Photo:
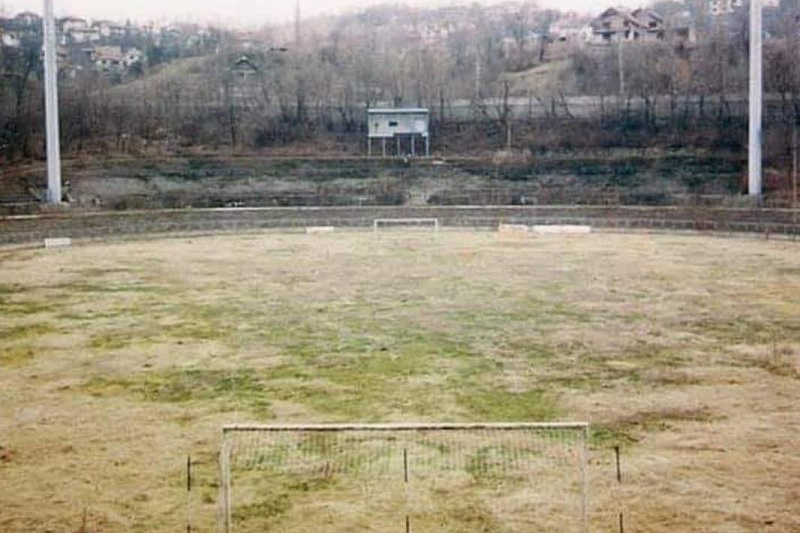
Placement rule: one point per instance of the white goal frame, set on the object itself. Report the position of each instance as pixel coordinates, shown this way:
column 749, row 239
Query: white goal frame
column 581, row 429
column 405, row 222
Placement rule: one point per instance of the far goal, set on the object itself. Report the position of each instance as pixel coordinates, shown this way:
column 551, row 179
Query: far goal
column 431, row 224
column 408, row 477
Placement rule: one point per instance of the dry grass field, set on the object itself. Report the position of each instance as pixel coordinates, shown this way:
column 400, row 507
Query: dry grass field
column 119, row 360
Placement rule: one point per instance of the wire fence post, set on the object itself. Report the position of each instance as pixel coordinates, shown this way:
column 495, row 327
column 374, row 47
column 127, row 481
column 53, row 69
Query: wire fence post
column 619, row 484
column 189, row 494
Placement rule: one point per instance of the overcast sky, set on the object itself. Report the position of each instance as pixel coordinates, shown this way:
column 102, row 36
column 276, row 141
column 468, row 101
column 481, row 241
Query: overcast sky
column 250, row 12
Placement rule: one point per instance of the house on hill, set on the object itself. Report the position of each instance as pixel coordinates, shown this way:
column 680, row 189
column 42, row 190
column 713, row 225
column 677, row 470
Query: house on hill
column 73, row 24
column 244, row 68
column 108, row 30
column 9, row 40
column 76, row 30
column 28, row 18
column 571, row 29
column 114, row 60
column 618, row 24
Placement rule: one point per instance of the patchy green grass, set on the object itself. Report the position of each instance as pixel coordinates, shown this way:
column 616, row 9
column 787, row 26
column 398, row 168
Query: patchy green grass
column 220, row 389
column 263, row 509
column 484, row 403
column 14, row 356
column 26, row 331
column 631, row 429
column 26, row 306
column 746, row 330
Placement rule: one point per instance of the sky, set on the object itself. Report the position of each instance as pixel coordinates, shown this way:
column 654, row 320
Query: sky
column 251, row 12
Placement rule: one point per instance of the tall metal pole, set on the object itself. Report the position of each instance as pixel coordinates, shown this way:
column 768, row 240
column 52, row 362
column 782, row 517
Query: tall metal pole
column 756, row 102
column 51, row 106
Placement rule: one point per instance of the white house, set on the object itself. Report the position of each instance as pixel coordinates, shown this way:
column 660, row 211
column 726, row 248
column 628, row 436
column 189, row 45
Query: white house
column 112, row 59
column 73, row 24
column 9, row 40
column 107, row 29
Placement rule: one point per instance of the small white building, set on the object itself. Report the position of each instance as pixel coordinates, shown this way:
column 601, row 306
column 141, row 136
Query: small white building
column 113, row 59
column 9, row 40
column 74, row 24
column 108, row 30
column 407, row 126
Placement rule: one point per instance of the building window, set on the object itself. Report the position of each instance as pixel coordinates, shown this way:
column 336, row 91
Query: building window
column 393, row 124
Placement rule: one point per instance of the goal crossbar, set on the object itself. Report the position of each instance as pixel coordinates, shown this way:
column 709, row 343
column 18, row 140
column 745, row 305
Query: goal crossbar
column 404, row 427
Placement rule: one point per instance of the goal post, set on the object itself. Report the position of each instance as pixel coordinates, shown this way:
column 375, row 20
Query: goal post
column 418, row 477
column 406, row 223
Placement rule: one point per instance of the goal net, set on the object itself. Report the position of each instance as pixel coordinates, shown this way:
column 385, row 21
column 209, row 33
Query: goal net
column 378, row 478
column 406, row 223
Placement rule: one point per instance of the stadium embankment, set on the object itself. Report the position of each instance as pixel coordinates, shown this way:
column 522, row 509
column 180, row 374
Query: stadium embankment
column 30, row 229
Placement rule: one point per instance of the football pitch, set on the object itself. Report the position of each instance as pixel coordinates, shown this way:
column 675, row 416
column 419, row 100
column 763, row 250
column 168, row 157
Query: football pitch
column 118, row 361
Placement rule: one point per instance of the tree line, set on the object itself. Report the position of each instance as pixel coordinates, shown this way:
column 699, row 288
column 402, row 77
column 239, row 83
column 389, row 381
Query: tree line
column 310, row 95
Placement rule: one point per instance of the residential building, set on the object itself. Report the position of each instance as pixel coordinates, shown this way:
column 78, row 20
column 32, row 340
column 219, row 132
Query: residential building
column 9, row 39
column 618, row 24
column 108, row 30
column 113, row 59
column 28, row 18
column 73, row 24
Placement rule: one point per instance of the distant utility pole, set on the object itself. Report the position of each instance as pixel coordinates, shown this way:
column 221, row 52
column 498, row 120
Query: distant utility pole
column 51, row 106
column 756, row 102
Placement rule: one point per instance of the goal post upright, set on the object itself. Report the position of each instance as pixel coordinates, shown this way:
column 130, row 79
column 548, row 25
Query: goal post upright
column 225, row 483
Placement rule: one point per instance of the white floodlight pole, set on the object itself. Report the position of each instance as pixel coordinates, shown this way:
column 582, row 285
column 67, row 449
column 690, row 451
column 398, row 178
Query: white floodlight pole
column 51, row 106
column 756, row 102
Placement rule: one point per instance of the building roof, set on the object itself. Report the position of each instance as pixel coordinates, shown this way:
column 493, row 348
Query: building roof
column 642, row 12
column 638, row 18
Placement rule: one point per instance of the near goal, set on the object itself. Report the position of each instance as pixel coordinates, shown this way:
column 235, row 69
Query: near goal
column 412, row 477
column 406, row 223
